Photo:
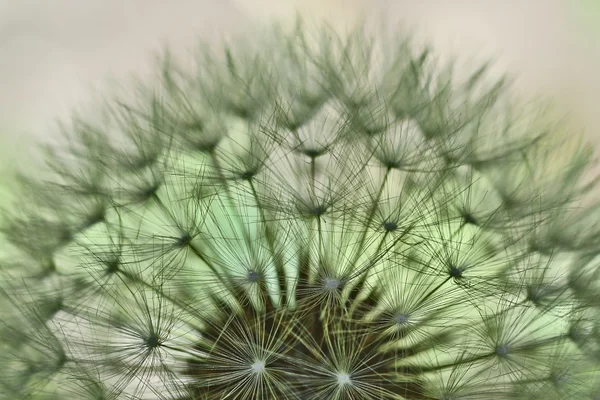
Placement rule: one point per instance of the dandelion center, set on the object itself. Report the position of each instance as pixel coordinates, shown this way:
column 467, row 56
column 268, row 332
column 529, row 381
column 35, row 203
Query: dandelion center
column 331, row 283
column 401, row 319
column 152, row 341
column 390, row 226
column 254, row 276
column 343, row 379
column 503, row 351
column 258, row 366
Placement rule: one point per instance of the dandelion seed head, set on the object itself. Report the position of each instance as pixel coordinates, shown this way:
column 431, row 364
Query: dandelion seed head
column 295, row 220
column 503, row 351
column 332, row 283
column 248, row 174
column 152, row 341
column 390, row 226
column 343, row 379
column 456, row 272
column 319, row 210
column 112, row 266
column 254, row 276
column 184, row 239
column 469, row 218
column 258, row 367
column 401, row 319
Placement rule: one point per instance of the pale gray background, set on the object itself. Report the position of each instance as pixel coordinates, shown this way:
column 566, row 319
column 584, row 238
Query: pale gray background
column 52, row 52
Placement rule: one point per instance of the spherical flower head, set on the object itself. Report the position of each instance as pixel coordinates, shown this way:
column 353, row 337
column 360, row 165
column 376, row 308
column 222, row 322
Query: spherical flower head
column 320, row 217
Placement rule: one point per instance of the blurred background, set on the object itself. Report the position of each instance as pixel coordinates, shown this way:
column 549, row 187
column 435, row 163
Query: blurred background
column 53, row 53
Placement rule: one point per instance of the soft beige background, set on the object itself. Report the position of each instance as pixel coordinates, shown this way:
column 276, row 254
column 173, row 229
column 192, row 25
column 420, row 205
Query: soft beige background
column 53, row 51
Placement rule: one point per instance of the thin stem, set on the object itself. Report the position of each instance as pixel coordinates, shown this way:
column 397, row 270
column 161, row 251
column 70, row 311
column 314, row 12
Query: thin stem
column 156, row 289
column 371, row 215
column 217, row 168
column 271, row 243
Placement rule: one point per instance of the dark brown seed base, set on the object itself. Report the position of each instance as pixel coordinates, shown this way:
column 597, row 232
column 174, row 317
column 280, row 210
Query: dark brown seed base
column 324, row 347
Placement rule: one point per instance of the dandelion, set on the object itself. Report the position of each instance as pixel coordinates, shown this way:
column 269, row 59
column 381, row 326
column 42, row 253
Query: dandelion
column 324, row 217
